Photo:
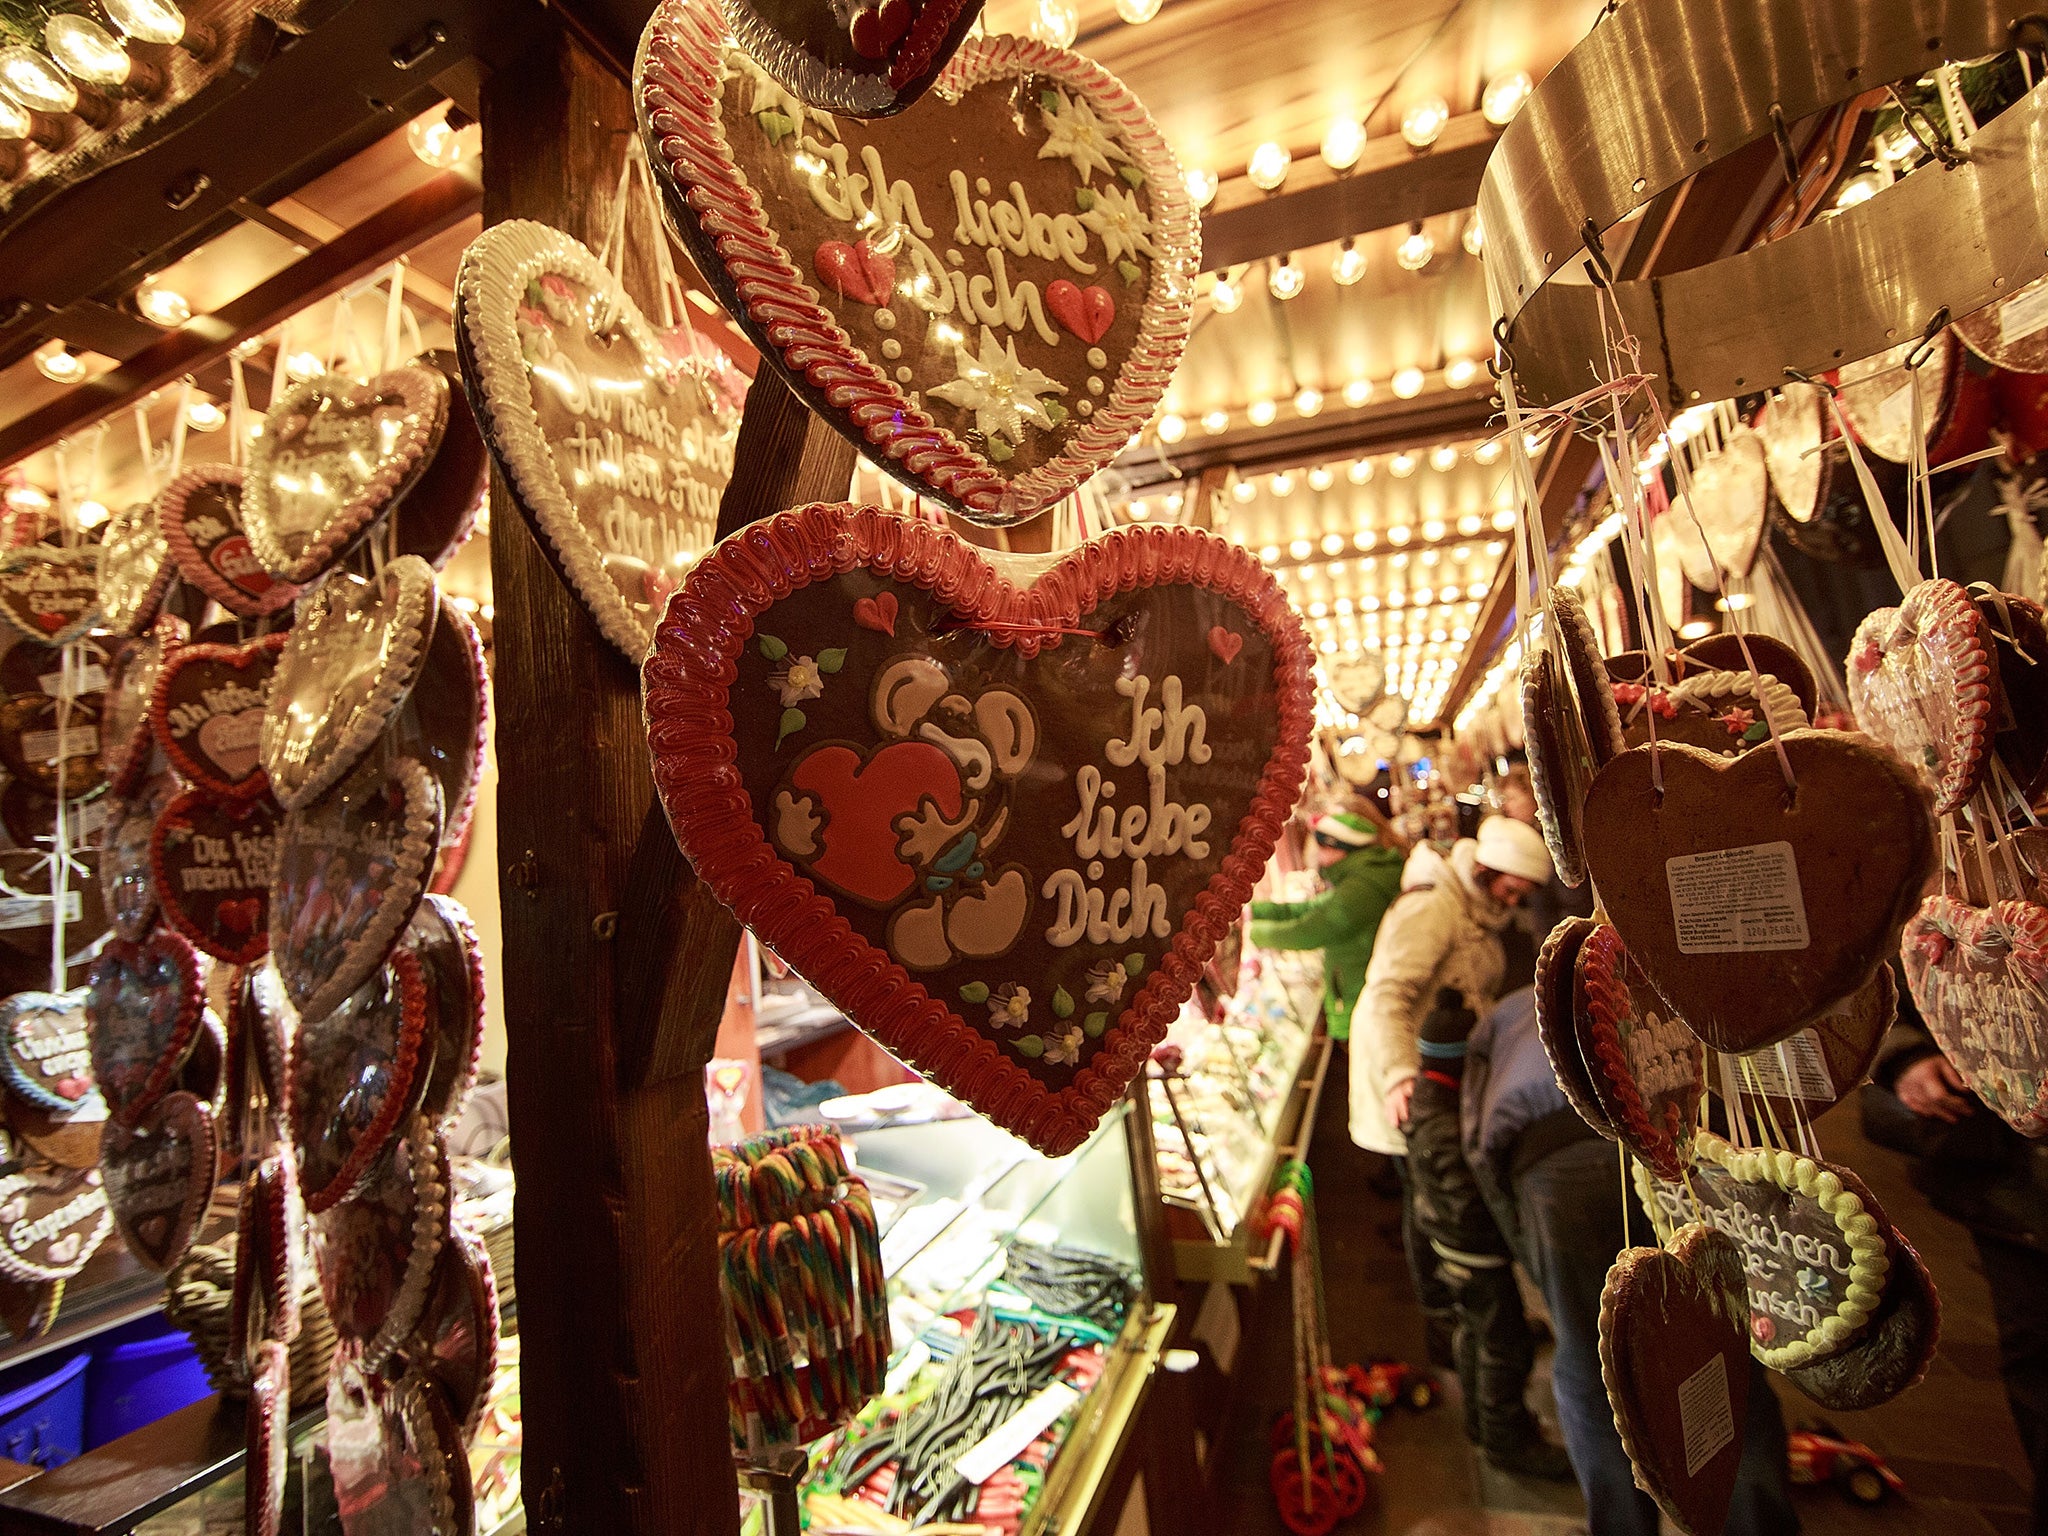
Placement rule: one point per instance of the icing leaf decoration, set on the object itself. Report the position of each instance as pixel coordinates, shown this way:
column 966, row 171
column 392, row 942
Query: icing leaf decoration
column 1131, row 174
column 1054, row 409
column 1134, row 964
column 1062, row 1003
column 773, row 648
column 1030, row 1045
column 776, row 125
column 974, row 992
column 999, row 449
column 1095, row 1023
column 792, row 720
column 1129, row 270
column 1050, row 100
column 1084, row 199
column 832, row 660
column 1757, row 732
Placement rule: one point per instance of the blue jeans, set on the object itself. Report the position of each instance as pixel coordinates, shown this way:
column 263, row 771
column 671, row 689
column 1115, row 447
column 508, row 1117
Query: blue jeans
column 1569, row 1207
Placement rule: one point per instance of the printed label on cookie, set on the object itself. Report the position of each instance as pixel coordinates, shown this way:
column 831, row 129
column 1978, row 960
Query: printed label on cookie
column 48, row 746
column 1705, row 1414
column 1795, row 1068
column 1737, row 900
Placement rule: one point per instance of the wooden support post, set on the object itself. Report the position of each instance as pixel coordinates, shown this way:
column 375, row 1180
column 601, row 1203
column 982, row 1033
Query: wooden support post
column 616, row 961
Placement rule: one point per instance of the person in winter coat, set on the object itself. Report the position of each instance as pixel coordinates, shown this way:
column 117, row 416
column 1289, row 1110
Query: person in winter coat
column 1364, row 873
column 1491, row 1340
column 1555, row 1189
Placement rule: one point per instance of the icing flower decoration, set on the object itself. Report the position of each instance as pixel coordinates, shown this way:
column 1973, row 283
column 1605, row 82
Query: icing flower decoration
column 1073, row 132
column 557, row 297
column 1122, row 224
column 1933, row 944
column 1002, row 392
column 1009, row 1006
column 1628, row 693
column 1064, row 1049
column 796, row 680
column 1661, row 705
column 1106, row 980
column 1737, row 719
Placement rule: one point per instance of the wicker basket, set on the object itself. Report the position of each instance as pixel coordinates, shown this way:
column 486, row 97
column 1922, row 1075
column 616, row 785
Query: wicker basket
column 198, row 1299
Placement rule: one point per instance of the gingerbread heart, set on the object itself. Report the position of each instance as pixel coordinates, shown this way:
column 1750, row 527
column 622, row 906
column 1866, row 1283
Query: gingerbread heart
column 332, row 457
column 1556, row 1019
column 442, row 723
column 439, row 513
column 43, row 1046
column 1579, row 646
column 618, row 461
column 1725, row 652
column 376, row 1251
column 1895, row 1352
column 212, row 862
column 159, row 1177
column 144, row 1003
column 207, row 713
column 127, row 875
column 1032, row 165
column 126, row 743
column 1005, row 838
column 351, row 868
column 268, row 1464
column 50, row 705
column 456, row 1342
column 445, row 941
column 52, row 1220
column 357, row 1077
column 135, row 568
column 2019, row 704
column 1725, row 713
column 51, row 595
column 868, row 59
column 1672, row 1358
column 1647, row 1069
column 2010, row 333
column 1815, row 1243
column 1976, row 974
column 1921, row 678
column 1560, row 761
column 1809, row 1072
column 1730, row 490
column 395, row 1453
column 26, row 928
column 1754, row 910
column 1876, row 396
column 201, row 515
column 259, row 1030
column 345, row 668
column 270, row 1255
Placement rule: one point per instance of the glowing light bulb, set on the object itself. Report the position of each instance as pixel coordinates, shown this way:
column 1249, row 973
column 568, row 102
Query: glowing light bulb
column 1358, row 474
column 28, row 498
column 1286, row 279
column 162, row 306
column 1416, row 250
column 1269, row 554
column 59, row 364
column 1423, row 123
column 1443, row 457
column 1504, row 95
column 1468, row 525
column 1138, row 12
column 1307, row 402
column 1320, row 479
column 1487, row 452
column 32, row 80
column 1401, row 466
column 15, row 123
column 204, row 415
column 1244, row 490
column 1301, row 549
column 1215, row 422
column 1344, row 143
column 1504, row 520
column 1056, row 22
column 1333, row 543
column 86, row 49
column 1348, row 265
column 1460, row 371
column 1261, row 413
column 1172, row 428
column 1860, row 188
column 443, row 138
column 147, row 21
column 1225, row 296
column 1282, row 484
column 1474, row 237
column 304, row 366
column 1357, row 392
column 89, row 514
column 1267, row 167
column 1201, row 185
column 1408, row 383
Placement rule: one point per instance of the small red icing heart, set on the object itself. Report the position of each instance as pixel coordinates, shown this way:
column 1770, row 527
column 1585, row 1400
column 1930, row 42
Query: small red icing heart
column 877, row 613
column 1087, row 312
column 1225, row 643
column 857, row 272
column 878, row 28
column 862, row 803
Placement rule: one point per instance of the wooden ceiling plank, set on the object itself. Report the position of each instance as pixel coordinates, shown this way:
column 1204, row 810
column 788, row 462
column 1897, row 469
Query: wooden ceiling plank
column 1423, row 422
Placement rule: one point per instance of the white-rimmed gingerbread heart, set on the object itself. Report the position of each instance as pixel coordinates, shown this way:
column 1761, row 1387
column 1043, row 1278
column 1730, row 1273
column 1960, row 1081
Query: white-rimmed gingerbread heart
column 352, row 865
column 1647, row 1069
column 1921, row 680
column 988, row 296
column 866, row 58
column 270, row 1253
column 159, row 1176
column 443, row 721
column 44, row 1050
column 443, row 937
column 376, row 1250
column 1730, row 493
column 51, row 595
column 135, row 568
column 52, row 1220
column 618, row 461
column 333, row 455
column 345, row 668
column 200, row 513
column 207, row 713
column 357, row 1077
column 456, row 1342
column 125, row 741
column 144, row 1005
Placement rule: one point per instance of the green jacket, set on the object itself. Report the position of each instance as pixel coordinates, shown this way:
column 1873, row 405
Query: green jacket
column 1342, row 923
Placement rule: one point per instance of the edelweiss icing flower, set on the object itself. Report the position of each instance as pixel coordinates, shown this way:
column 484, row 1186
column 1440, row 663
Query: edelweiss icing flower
column 1002, row 392
column 1074, row 132
column 1106, row 980
column 1123, row 226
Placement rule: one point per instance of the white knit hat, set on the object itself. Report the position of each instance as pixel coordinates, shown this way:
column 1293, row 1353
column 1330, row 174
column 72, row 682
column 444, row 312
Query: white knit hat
column 1512, row 847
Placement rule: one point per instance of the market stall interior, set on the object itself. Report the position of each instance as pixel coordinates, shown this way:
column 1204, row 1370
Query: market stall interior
column 1022, row 766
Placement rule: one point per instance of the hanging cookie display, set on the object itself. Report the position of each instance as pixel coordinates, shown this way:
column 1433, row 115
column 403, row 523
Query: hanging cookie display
column 1979, row 976
column 200, row 513
column 456, row 1343
column 1000, row 816
column 207, row 713
column 866, row 58
column 44, row 1049
column 1556, row 1019
column 396, row 1454
column 127, row 872
column 51, row 701
column 210, row 864
column 988, row 296
column 1921, row 678
column 1895, row 1350
column 134, row 569
column 51, row 595
column 159, row 1175
column 442, row 721
column 357, row 1077
column 1807, row 1073
column 1721, row 523
column 144, row 1004
column 1647, row 1070
column 1725, row 713
column 2019, row 698
column 440, row 511
column 52, row 1220
column 376, row 1251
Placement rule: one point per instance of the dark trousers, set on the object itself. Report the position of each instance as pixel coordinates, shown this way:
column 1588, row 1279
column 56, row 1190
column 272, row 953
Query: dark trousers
column 2018, row 1277
column 1430, row 1290
column 1568, row 1206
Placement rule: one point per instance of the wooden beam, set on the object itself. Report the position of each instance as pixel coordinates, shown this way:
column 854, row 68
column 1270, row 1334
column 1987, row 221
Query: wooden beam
column 1391, row 184
column 616, row 960
column 1341, row 433
column 437, row 205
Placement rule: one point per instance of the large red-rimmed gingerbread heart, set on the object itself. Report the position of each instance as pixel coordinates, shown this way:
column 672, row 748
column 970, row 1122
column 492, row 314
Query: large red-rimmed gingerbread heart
column 207, row 713
column 1647, row 1069
column 1003, row 829
column 212, row 861
column 1921, row 678
column 869, row 58
column 920, row 320
column 1979, row 976
column 200, row 513
column 144, row 1004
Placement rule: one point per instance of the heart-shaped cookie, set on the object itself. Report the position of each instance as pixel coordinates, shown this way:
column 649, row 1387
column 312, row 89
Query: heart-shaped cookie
column 376, row 1250
column 1725, row 713
column 69, row 1138
column 200, row 513
column 51, row 595
column 50, row 704
column 126, row 743
column 1730, row 492
column 870, row 58
column 259, row 1024
column 144, row 1003
column 1556, row 1019
column 1560, row 761
column 442, row 723
column 1673, row 1359
column 127, row 875
column 159, row 1176
column 1815, row 1243
column 445, row 941
column 1753, row 910
column 1807, row 1073
column 268, row 1413
column 357, row 1076
column 135, row 568
column 270, row 1254
column 395, row 1453
column 456, row 1342
column 618, row 461
column 1647, row 1069
column 1876, row 396
column 346, row 666
column 1005, row 838
column 1029, row 166
column 352, row 865
column 43, row 1047
column 440, row 511
column 52, row 1220
column 1921, row 678
column 1580, row 648
column 1977, row 974
column 208, row 710
column 333, row 455
column 204, row 1074
column 2019, row 704
column 212, row 862
column 1895, row 1352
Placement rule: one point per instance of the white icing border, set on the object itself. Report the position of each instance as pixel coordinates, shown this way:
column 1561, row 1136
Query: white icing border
column 1779, row 703
column 146, row 597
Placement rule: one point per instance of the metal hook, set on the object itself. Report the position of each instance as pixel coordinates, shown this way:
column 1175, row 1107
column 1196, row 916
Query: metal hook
column 1931, row 141
column 1597, row 266
column 1800, row 375
column 1924, row 349
column 1503, row 359
column 1786, row 155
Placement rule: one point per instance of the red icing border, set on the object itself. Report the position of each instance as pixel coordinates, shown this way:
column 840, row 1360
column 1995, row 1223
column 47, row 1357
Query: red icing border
column 192, row 566
column 1939, row 615
column 1605, row 999
column 1943, row 922
column 190, row 768
column 675, row 83
column 191, row 1012
column 412, row 992
column 172, row 911
column 686, row 684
